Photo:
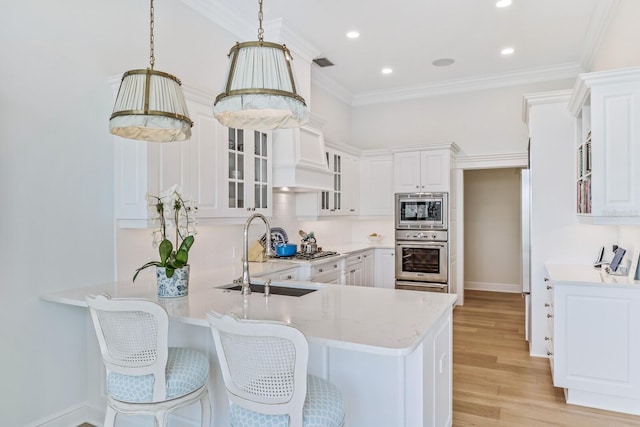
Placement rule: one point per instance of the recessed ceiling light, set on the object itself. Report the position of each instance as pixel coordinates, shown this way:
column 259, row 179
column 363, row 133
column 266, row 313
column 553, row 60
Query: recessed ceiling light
column 353, row 34
column 387, row 71
column 507, row 51
column 503, row 3
column 443, row 62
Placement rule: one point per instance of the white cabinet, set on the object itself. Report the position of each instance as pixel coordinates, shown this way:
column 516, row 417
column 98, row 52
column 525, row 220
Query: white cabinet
column 376, row 185
column 145, row 167
column 594, row 342
column 385, row 268
column 283, row 275
column 343, row 199
column 607, row 109
column 360, row 268
column 226, row 171
column 327, row 272
column 247, row 168
column 426, row 170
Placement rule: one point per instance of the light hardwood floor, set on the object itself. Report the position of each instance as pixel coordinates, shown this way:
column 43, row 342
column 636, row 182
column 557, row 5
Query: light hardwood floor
column 497, row 383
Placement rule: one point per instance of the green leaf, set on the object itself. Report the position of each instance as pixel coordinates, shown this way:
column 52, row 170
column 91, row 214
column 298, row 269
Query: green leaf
column 169, row 271
column 147, row 265
column 187, row 243
column 182, row 256
column 165, row 251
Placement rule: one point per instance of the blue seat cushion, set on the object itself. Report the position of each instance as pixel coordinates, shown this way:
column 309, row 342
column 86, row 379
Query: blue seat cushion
column 323, row 407
column 187, row 370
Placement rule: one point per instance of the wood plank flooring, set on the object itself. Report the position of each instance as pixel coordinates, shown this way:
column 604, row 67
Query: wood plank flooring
column 497, row 383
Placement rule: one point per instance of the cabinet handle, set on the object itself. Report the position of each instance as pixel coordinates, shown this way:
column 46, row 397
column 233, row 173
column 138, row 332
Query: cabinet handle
column 417, row 186
column 546, row 304
column 549, row 287
column 358, row 257
column 352, row 271
column 352, row 210
column 546, row 279
column 549, row 316
column 547, row 338
column 549, row 353
column 289, row 276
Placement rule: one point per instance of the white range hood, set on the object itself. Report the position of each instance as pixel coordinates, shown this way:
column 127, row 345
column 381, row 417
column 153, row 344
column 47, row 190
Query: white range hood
column 299, row 159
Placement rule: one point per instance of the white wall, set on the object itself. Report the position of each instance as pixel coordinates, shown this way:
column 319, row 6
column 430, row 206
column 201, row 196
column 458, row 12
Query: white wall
column 492, row 243
column 619, row 46
column 480, row 122
column 336, row 112
column 56, row 174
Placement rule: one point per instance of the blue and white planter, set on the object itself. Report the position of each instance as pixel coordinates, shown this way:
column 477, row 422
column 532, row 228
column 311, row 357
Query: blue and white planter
column 174, row 286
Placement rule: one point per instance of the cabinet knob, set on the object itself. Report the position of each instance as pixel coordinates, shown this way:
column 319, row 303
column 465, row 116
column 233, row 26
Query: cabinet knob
column 549, row 316
column 417, row 186
column 547, row 338
column 546, row 304
column 546, row 279
column 335, row 265
column 289, row 276
column 319, row 270
column 549, row 353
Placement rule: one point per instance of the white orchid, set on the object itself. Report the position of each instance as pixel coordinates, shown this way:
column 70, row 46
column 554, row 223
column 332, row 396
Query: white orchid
column 181, row 217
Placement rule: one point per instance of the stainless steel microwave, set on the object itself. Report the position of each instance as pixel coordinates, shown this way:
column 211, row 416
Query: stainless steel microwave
column 415, row 211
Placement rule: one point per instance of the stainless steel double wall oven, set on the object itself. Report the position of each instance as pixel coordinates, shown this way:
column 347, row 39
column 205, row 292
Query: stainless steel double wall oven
column 422, row 247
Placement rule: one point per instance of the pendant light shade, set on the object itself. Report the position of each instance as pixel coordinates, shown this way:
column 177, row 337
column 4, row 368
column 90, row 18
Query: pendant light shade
column 260, row 91
column 150, row 105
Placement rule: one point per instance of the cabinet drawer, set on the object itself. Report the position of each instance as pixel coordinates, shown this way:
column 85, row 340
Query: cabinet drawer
column 288, row 275
column 354, row 259
column 325, row 268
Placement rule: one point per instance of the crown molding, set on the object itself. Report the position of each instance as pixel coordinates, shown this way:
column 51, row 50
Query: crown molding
column 318, row 78
column 531, row 99
column 598, row 26
column 493, row 161
column 276, row 29
column 490, row 81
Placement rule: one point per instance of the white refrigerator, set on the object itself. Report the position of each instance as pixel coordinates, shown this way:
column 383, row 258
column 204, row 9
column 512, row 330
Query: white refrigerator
column 525, row 221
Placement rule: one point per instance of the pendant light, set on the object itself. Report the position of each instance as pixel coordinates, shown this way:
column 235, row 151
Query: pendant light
column 260, row 92
column 150, row 105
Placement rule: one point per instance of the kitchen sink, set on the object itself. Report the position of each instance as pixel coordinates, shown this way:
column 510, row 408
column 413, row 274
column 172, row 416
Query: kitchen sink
column 275, row 290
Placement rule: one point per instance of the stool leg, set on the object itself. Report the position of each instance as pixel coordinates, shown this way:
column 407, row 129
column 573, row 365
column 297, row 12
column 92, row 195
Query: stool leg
column 110, row 417
column 161, row 418
column 205, row 408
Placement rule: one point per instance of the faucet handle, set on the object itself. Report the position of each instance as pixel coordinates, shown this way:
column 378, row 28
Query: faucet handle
column 267, row 288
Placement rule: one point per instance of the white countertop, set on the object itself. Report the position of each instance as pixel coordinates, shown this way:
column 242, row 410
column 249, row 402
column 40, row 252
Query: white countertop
column 586, row 274
column 379, row 321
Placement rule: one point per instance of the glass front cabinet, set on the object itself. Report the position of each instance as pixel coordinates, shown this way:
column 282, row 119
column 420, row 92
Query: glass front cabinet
column 248, row 172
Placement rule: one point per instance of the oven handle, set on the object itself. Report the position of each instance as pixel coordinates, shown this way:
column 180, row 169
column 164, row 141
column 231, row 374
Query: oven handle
column 423, row 284
column 414, row 244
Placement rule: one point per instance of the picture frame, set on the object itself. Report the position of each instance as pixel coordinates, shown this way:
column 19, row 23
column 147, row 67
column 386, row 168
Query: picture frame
column 617, row 259
column 633, row 268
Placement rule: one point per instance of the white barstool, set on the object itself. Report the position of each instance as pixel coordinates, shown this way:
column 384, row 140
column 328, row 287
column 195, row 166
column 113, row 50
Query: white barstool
column 264, row 367
column 144, row 375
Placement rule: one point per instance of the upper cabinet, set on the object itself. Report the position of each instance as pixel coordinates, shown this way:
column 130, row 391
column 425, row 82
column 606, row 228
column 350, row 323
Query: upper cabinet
column 376, row 185
column 343, row 198
column 248, row 173
column 226, row 171
column 607, row 110
column 427, row 169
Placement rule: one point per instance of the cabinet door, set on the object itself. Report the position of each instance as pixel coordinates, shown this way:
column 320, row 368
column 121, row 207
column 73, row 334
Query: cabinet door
column 248, row 173
column 368, row 268
column 331, row 201
column 376, row 186
column 406, row 177
column 434, row 170
column 142, row 167
column 351, row 182
column 385, row 276
column 354, row 270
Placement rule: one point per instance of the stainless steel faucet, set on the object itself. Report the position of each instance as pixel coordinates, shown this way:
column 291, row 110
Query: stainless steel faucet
column 246, row 280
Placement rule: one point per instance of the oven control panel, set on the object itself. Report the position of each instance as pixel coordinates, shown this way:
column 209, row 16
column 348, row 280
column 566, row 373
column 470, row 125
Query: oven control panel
column 422, row 235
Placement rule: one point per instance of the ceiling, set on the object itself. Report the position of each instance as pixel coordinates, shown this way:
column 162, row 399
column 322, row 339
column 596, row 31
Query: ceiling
column 552, row 39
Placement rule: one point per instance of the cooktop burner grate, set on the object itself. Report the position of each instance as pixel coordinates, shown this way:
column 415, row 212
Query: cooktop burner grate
column 309, row 256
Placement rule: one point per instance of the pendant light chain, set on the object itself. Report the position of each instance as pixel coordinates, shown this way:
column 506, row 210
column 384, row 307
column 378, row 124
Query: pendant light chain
column 260, row 30
column 152, row 58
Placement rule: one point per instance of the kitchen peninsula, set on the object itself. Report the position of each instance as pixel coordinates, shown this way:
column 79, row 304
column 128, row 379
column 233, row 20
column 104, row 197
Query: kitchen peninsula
column 388, row 351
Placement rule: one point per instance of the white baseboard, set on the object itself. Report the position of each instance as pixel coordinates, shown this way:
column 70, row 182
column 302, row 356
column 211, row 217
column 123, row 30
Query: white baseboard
column 493, row 287
column 71, row 416
column 84, row 413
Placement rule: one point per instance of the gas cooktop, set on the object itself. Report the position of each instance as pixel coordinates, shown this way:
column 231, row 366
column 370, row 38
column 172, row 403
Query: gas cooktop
column 309, row 256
